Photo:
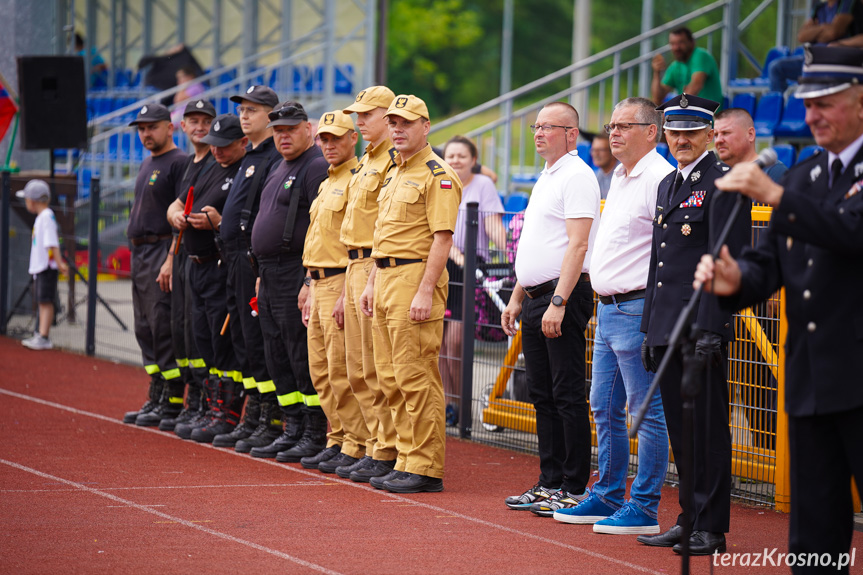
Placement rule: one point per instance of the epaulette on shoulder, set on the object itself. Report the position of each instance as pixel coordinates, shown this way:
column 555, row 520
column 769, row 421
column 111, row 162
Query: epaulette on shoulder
column 436, row 168
column 722, row 166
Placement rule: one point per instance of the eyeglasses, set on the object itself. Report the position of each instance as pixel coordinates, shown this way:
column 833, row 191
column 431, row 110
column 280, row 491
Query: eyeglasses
column 546, row 128
column 246, row 110
column 623, row 126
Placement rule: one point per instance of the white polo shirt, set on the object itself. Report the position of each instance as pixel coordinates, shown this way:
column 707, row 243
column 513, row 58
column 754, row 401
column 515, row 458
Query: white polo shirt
column 566, row 190
column 621, row 254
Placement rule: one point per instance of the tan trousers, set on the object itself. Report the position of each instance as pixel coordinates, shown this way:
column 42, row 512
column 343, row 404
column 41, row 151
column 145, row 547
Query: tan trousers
column 329, row 372
column 362, row 375
column 406, row 358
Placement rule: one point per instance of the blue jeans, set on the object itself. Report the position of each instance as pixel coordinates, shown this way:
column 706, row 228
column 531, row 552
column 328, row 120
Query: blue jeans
column 783, row 71
column 619, row 378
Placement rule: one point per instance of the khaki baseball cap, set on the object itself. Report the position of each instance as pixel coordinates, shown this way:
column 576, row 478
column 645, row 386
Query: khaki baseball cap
column 408, row 107
column 371, row 98
column 336, row 122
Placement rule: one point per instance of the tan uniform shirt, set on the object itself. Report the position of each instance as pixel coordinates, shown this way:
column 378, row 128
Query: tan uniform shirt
column 358, row 227
column 419, row 197
column 323, row 248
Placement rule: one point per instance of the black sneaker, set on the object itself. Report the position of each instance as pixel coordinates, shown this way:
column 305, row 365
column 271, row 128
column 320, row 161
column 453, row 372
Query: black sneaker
column 337, row 461
column 344, row 471
column 323, row 455
column 378, row 482
column 379, row 469
column 533, row 495
column 413, row 483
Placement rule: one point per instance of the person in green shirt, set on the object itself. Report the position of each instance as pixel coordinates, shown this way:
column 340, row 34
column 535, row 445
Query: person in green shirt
column 694, row 71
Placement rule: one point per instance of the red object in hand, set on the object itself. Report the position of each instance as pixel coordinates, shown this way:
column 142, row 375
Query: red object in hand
column 187, row 209
column 253, row 303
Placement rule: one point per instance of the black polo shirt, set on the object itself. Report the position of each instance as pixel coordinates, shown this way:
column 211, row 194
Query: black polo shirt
column 260, row 159
column 211, row 189
column 281, row 183
column 155, row 190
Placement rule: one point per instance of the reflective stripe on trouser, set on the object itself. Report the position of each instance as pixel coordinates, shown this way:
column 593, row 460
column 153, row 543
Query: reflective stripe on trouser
column 362, row 376
column 406, row 357
column 181, row 310
column 285, row 344
column 152, row 307
column 246, row 336
column 209, row 309
column 329, row 372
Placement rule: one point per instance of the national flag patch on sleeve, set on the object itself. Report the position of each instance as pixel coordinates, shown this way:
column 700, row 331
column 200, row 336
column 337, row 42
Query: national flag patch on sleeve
column 446, row 184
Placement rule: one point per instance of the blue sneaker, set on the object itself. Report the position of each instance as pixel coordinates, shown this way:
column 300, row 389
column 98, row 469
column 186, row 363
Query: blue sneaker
column 588, row 512
column 628, row 520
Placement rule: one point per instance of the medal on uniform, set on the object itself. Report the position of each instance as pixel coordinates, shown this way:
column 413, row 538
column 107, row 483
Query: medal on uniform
column 858, row 169
column 695, row 175
column 686, row 229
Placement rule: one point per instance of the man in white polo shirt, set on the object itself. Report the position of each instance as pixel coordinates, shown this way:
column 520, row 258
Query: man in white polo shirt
column 552, row 266
column 618, row 273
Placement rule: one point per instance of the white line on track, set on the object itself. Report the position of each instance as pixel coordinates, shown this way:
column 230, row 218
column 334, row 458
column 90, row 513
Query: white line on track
column 316, row 475
column 143, row 487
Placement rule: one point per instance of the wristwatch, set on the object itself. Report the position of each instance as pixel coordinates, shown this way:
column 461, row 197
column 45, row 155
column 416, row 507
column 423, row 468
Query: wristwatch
column 558, row 301
column 307, row 280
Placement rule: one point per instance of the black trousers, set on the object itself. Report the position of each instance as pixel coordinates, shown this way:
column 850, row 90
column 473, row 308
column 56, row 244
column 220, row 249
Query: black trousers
column 183, row 342
column 152, row 309
column 246, row 334
column 285, row 345
column 555, row 370
column 826, row 450
column 711, row 504
column 207, row 282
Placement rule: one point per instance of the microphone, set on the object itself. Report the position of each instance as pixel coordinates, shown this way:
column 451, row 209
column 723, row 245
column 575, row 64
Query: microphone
column 766, row 158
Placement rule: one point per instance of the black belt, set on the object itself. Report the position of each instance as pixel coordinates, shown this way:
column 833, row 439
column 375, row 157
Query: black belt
column 540, row 290
column 142, row 240
column 279, row 258
column 203, row 259
column 391, row 262
column 622, row 297
column 359, row 254
column 321, row 273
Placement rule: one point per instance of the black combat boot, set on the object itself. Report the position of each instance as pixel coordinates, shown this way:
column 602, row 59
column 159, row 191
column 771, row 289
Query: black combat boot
column 314, row 439
column 207, row 412
column 153, row 395
column 195, row 407
column 170, row 404
column 251, row 421
column 269, row 428
column 289, row 437
column 230, row 398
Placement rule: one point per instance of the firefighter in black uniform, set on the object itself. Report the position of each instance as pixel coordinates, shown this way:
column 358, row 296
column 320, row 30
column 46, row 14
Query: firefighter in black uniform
column 197, row 118
column 150, row 236
column 689, row 215
column 238, row 216
column 277, row 242
column 207, row 281
column 814, row 248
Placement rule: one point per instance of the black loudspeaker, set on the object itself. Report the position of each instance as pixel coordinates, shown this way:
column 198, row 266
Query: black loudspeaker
column 53, row 101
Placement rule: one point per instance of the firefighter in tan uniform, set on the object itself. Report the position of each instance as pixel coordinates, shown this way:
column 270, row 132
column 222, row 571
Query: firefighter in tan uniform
column 407, row 290
column 325, row 259
column 357, row 235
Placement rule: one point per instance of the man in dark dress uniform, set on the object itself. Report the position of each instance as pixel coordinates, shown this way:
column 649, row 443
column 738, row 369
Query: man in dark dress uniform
column 689, row 215
column 150, row 236
column 277, row 242
column 814, row 248
column 207, row 280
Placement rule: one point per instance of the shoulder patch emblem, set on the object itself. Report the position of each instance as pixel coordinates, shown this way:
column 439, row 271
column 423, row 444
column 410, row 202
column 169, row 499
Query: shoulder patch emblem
column 436, row 169
column 446, row 184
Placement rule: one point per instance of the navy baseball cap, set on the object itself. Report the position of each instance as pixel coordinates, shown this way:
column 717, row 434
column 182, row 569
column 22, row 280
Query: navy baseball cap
column 151, row 113
column 224, row 130
column 200, row 107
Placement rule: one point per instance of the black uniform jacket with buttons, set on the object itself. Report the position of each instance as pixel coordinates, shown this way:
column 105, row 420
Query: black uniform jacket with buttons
column 814, row 247
column 685, row 228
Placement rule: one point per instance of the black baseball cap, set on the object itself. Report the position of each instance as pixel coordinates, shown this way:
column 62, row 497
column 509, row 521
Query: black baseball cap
column 200, row 107
column 258, row 94
column 288, row 114
column 151, row 113
column 224, row 130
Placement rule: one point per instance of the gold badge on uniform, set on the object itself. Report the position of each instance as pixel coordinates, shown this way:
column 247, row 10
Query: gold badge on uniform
column 250, row 171
column 401, row 102
column 686, row 229
column 659, row 220
column 329, row 119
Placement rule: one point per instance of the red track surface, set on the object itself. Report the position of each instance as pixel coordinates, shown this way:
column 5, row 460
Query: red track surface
column 83, row 493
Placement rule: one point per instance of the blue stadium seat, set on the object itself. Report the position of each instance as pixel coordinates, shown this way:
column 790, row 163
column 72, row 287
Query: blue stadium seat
column 516, row 202
column 785, row 153
column 302, row 79
column 773, row 54
column 584, row 153
column 662, row 149
column 344, row 79
column 793, row 124
column 746, row 101
column 808, row 151
column 768, row 113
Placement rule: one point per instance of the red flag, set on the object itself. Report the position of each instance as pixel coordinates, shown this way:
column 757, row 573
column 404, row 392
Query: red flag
column 7, row 111
column 190, row 199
